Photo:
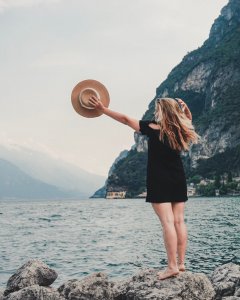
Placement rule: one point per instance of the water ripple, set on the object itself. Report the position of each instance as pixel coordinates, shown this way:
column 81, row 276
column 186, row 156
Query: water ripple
column 118, row 237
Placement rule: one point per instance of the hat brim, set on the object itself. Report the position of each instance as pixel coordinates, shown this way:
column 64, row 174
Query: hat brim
column 91, row 84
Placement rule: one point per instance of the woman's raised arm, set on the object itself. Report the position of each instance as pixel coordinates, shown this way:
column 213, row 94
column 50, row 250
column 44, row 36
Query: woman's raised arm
column 122, row 118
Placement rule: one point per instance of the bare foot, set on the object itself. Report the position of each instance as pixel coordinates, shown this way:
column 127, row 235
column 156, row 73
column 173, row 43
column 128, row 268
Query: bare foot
column 168, row 273
column 181, row 267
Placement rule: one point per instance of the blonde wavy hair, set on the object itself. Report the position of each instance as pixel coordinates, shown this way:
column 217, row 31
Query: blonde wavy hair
column 175, row 124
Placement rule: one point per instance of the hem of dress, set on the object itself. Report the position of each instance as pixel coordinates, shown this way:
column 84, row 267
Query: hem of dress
column 163, row 201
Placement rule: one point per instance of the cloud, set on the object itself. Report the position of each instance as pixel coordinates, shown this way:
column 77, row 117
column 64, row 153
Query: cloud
column 7, row 4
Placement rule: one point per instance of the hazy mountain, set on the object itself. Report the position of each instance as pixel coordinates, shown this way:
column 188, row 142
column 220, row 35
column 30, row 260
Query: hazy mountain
column 14, row 183
column 54, row 171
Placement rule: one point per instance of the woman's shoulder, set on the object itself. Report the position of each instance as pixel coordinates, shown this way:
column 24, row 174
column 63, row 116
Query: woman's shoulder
column 153, row 124
column 145, row 128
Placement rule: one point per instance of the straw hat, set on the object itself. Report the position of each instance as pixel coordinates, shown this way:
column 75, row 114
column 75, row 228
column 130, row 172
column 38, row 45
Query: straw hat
column 81, row 94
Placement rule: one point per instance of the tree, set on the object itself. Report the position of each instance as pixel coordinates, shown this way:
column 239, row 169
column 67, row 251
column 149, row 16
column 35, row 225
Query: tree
column 229, row 177
column 195, row 179
column 206, row 190
column 223, row 189
column 217, row 182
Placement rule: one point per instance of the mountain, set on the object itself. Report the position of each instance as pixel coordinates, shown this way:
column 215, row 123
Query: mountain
column 54, row 171
column 101, row 193
column 208, row 80
column 15, row 184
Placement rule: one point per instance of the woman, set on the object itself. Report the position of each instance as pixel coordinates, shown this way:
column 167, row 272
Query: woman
column 168, row 134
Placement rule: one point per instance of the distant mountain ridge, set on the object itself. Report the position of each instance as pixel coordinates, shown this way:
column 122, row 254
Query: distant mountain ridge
column 15, row 184
column 208, row 80
column 72, row 180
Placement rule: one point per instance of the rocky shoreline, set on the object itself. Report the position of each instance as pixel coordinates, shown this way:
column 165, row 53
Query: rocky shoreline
column 32, row 282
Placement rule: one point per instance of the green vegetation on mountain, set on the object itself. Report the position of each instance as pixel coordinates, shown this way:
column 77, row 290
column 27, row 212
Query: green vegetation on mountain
column 219, row 183
column 228, row 161
column 131, row 173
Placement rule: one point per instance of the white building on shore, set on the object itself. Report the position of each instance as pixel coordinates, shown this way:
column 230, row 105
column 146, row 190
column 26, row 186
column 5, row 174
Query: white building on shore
column 116, row 193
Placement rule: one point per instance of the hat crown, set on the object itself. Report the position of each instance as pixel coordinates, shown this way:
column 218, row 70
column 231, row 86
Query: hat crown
column 85, row 95
column 82, row 93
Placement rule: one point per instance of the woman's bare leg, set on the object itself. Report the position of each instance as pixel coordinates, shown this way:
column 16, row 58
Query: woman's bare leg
column 166, row 216
column 181, row 229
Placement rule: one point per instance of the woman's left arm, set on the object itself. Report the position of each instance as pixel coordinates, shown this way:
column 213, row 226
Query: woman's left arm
column 122, row 118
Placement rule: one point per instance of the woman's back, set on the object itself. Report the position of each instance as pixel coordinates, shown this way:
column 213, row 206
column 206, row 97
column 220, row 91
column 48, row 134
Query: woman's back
column 166, row 180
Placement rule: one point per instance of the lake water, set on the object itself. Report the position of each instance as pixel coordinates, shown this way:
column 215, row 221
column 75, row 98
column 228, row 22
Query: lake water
column 119, row 237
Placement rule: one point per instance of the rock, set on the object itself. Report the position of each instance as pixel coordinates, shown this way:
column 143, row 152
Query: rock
column 95, row 286
column 1, row 294
column 141, row 142
column 120, row 288
column 32, row 272
column 226, row 280
column 35, row 292
column 31, row 281
column 198, row 78
column 231, row 298
column 146, row 285
column 237, row 292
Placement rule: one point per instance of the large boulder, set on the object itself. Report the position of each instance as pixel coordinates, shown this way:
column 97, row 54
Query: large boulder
column 146, row 285
column 95, row 286
column 237, row 292
column 32, row 280
column 1, row 294
column 226, row 281
column 35, row 292
column 32, row 272
column 231, row 298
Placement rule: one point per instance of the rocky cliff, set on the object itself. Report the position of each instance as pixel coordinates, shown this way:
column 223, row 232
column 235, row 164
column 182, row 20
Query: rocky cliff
column 101, row 193
column 208, row 80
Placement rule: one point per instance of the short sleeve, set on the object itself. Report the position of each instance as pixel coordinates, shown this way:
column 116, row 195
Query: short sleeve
column 144, row 128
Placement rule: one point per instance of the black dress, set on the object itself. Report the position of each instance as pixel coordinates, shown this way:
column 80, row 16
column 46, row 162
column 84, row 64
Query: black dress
column 166, row 181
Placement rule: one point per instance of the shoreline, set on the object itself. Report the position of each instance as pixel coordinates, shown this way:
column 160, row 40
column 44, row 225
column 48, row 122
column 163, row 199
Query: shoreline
column 34, row 278
column 96, row 198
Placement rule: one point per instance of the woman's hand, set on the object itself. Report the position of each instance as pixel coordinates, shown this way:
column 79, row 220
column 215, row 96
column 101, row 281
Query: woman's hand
column 182, row 103
column 185, row 108
column 96, row 103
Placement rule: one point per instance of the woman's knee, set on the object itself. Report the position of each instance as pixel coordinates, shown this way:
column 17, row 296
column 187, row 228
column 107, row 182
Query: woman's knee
column 178, row 211
column 167, row 221
column 164, row 213
column 178, row 221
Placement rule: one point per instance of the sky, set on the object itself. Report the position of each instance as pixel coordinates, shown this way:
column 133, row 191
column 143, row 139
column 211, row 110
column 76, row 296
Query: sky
column 48, row 46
